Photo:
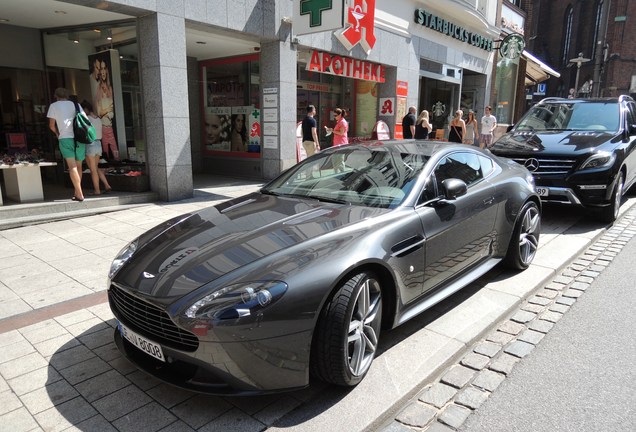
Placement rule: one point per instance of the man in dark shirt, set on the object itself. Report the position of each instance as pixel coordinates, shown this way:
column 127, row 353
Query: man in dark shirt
column 408, row 123
column 310, row 134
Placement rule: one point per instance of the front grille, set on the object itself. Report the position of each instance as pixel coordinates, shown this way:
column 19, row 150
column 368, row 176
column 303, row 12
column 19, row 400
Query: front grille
column 150, row 321
column 553, row 165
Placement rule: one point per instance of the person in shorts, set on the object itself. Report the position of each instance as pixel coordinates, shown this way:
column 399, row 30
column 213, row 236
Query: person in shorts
column 94, row 151
column 488, row 125
column 310, row 132
column 61, row 115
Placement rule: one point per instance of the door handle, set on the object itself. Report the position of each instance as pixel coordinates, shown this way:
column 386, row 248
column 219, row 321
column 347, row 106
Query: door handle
column 489, row 201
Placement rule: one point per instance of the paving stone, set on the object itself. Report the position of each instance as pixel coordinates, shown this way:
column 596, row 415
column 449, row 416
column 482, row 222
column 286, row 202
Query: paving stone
column 590, row 273
column 572, row 293
column 48, row 396
column 580, row 286
column 489, row 349
column 395, row 426
column 74, row 317
column 150, row 417
column 471, row 397
column 437, row 394
column 102, row 385
column 65, row 415
column 272, row 412
column 9, row 402
column 458, row 376
column 504, row 363
column 169, row 396
column 34, row 380
column 15, row 350
column 10, row 338
column 584, row 279
column 122, row 365
column 87, row 327
column 533, row 308
column 42, row 331
column 98, row 338
column 531, row 336
column 566, row 301
column 121, row 402
column 22, row 365
column 454, row 416
column 523, row 317
column 500, row 337
column 512, row 328
column 519, row 349
column 553, row 286
column 416, row 414
column 488, row 380
column 70, row 357
column 602, row 264
column 56, row 345
column 18, row 421
column 551, row 316
column 539, row 300
column 96, row 423
column 85, row 370
column 548, row 293
column 200, row 410
column 475, row 361
column 560, row 307
column 233, row 421
column 570, row 273
column 143, row 380
column 541, row 325
column 439, row 427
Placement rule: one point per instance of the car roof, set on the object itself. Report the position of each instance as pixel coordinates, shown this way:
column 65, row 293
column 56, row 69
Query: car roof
column 421, row 147
column 614, row 99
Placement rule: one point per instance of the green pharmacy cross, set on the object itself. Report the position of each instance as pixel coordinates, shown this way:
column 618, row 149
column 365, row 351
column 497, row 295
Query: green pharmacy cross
column 314, row 8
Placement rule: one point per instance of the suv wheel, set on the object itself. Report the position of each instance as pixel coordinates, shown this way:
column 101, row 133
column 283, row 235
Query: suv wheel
column 610, row 213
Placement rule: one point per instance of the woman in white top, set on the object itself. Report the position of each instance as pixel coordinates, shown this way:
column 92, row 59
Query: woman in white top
column 94, row 151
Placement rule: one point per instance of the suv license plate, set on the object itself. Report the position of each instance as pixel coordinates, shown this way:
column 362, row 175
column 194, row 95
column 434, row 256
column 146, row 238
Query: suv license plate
column 141, row 342
column 543, row 191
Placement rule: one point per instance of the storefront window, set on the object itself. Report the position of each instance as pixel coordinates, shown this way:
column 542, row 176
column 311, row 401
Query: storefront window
column 231, row 107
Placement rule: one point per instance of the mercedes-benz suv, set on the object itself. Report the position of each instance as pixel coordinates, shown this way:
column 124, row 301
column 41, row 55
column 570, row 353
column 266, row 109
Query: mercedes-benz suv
column 580, row 151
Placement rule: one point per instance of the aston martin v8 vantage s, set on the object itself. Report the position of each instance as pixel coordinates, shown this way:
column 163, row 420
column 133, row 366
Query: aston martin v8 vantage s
column 255, row 294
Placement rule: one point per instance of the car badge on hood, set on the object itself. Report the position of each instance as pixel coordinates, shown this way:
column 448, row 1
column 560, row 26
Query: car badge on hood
column 147, row 275
column 532, row 164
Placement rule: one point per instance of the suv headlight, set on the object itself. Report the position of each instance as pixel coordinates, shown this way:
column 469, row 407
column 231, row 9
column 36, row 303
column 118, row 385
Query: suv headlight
column 237, row 300
column 121, row 258
column 601, row 159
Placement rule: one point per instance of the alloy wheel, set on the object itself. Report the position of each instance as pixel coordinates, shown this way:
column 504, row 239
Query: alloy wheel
column 529, row 235
column 362, row 340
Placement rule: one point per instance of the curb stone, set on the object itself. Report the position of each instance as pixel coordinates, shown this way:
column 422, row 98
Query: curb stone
column 518, row 335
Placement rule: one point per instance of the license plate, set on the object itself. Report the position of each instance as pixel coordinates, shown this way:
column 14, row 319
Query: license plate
column 141, row 342
column 543, row 191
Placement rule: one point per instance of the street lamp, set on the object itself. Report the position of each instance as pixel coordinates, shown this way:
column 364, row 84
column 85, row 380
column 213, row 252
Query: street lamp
column 578, row 62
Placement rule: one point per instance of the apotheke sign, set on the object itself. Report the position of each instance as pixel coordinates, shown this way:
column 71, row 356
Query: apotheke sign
column 345, row 66
column 453, row 30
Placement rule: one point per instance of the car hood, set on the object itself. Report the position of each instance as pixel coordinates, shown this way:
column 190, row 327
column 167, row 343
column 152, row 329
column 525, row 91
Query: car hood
column 178, row 257
column 560, row 143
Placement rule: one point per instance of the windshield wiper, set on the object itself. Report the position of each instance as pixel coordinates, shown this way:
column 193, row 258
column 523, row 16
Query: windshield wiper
column 330, row 200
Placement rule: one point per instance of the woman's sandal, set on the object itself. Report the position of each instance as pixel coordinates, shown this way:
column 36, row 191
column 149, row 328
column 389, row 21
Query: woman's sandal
column 77, row 199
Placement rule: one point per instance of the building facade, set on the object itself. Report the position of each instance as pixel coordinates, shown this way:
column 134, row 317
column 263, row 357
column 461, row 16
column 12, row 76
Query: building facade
column 219, row 87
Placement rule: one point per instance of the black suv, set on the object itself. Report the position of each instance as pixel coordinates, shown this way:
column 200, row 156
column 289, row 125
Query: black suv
column 580, row 151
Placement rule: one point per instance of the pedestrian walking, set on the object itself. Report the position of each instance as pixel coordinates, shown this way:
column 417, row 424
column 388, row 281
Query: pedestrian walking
column 94, row 151
column 408, row 123
column 61, row 115
column 488, row 125
column 309, row 126
column 339, row 137
column 422, row 126
column 472, row 129
column 457, row 128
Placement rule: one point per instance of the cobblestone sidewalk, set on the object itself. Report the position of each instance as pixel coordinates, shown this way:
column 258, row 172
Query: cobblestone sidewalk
column 444, row 405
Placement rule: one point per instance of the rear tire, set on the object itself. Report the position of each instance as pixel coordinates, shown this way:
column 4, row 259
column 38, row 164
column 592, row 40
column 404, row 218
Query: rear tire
column 610, row 213
column 348, row 331
column 525, row 237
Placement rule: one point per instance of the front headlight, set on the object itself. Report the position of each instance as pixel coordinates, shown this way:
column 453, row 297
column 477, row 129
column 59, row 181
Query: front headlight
column 121, row 258
column 599, row 160
column 237, row 301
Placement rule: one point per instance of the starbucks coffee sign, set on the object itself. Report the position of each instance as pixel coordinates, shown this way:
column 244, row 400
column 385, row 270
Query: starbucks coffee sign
column 449, row 28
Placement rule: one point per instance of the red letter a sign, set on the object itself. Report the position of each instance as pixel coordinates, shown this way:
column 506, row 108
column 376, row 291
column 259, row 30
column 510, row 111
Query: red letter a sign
column 360, row 27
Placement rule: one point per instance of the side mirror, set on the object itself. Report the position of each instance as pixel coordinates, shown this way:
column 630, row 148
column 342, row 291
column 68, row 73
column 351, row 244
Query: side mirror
column 632, row 129
column 509, row 128
column 453, row 188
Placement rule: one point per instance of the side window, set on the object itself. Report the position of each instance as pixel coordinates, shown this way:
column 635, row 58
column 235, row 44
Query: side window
column 631, row 114
column 464, row 166
column 487, row 165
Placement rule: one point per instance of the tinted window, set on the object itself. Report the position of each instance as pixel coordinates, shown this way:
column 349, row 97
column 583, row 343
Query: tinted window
column 463, row 166
column 596, row 116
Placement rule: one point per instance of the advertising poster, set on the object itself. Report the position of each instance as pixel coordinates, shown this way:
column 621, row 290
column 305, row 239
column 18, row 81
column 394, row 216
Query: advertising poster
column 106, row 93
column 366, row 107
column 254, row 132
column 217, row 128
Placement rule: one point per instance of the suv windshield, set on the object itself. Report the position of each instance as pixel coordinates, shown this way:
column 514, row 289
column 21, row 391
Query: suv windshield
column 584, row 116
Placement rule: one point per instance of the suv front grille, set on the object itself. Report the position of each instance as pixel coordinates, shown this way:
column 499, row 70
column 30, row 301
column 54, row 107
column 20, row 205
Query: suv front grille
column 551, row 165
column 150, row 321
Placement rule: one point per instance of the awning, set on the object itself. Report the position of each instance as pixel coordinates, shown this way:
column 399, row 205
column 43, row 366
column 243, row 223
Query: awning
column 536, row 70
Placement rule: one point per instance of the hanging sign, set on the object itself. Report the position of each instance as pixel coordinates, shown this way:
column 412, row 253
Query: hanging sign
column 360, row 26
column 345, row 66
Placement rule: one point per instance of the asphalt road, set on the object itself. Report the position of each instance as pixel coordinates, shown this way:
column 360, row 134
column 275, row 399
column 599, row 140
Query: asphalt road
column 581, row 376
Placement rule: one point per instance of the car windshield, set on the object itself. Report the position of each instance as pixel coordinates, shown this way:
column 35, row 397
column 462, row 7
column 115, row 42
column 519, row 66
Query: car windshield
column 586, row 116
column 372, row 177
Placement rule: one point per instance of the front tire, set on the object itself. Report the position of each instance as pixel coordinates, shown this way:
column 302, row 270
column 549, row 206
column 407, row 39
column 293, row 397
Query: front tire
column 525, row 237
column 348, row 331
column 610, row 213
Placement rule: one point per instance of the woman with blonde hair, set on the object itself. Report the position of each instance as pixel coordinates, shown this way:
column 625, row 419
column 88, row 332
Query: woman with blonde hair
column 422, row 126
column 471, row 128
column 457, row 128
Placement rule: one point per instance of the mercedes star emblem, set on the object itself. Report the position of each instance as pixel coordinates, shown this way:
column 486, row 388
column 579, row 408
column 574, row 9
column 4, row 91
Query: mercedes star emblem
column 532, row 164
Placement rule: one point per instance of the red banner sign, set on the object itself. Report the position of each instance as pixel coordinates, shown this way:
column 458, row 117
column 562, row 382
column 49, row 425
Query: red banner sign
column 345, row 66
column 360, row 26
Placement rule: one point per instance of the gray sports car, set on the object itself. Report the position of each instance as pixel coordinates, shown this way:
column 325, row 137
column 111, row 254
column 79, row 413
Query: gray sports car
column 252, row 295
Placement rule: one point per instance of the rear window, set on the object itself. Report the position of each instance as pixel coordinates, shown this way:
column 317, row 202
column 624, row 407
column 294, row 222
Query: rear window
column 588, row 116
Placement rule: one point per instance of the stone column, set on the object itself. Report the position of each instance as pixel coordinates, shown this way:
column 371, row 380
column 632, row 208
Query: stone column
column 164, row 73
column 278, row 70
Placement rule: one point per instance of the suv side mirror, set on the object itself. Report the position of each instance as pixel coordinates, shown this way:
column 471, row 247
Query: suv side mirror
column 632, row 129
column 509, row 128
